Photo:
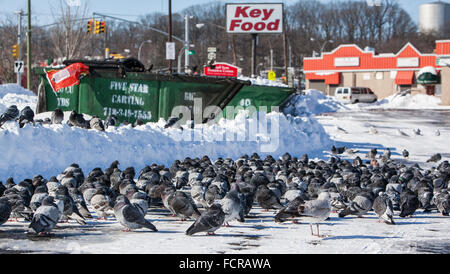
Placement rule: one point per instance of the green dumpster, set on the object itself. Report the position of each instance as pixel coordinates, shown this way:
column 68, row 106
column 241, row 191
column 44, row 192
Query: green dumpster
column 259, row 98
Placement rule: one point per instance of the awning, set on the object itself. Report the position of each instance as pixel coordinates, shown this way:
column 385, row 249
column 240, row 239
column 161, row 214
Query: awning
column 330, row 78
column 428, row 76
column 404, row 78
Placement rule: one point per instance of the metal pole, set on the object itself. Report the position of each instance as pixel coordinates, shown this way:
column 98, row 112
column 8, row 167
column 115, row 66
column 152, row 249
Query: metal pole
column 19, row 42
column 170, row 32
column 254, row 42
column 29, row 46
column 186, row 38
column 271, row 59
column 180, row 54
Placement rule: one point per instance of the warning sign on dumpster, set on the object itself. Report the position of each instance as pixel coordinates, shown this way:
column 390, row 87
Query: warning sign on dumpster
column 221, row 69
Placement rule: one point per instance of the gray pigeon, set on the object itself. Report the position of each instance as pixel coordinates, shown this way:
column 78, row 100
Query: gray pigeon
column 359, row 205
column 78, row 198
column 338, row 150
column 111, row 121
column 435, row 158
column 101, row 203
column 442, row 201
column 69, row 208
column 129, row 216
column 382, row 206
column 77, row 119
column 290, row 210
column 26, row 116
column 57, row 116
column 96, row 123
column 140, row 201
column 10, row 114
column 405, row 153
column 40, row 193
column 209, row 221
column 181, row 205
column 267, row 199
column 213, row 193
column 233, row 204
column 408, row 203
column 46, row 217
column 5, row 210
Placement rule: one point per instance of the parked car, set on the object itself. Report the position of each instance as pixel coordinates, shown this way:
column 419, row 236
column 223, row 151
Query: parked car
column 351, row 95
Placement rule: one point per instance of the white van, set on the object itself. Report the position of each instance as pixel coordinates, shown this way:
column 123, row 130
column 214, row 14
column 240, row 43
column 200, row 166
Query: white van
column 351, row 95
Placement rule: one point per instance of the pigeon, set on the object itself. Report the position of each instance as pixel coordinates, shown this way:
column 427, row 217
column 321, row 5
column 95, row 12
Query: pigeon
column 5, row 210
column 213, row 193
column 57, row 116
column 67, row 206
column 180, row 204
column 233, row 204
column 359, row 205
column 26, row 116
column 290, row 210
column 10, row 114
column 102, row 204
column 382, row 206
column 96, row 123
column 198, row 194
column 40, row 193
column 437, row 132
column 79, row 201
column 372, row 153
column 315, row 211
column 111, row 121
column 45, row 217
column 209, row 221
column 387, row 153
column 417, row 131
column 139, row 200
column 267, row 199
column 442, row 201
column 408, row 203
column 351, row 151
column 129, row 216
column 337, row 150
column 405, row 153
column 77, row 119
column 171, row 122
column 435, row 158
column 138, row 122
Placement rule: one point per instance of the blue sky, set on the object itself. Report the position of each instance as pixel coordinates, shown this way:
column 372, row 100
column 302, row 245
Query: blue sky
column 130, row 9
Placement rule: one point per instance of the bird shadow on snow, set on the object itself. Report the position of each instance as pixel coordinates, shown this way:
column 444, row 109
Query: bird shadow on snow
column 363, row 237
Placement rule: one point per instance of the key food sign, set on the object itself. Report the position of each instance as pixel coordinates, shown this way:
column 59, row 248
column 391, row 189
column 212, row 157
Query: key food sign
column 255, row 18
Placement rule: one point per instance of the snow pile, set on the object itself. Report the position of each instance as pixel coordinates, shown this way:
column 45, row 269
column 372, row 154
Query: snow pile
column 13, row 94
column 313, row 102
column 404, row 101
column 260, row 81
column 49, row 149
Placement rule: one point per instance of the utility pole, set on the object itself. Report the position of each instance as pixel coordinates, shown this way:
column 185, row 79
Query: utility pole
column 170, row 32
column 254, row 45
column 29, row 46
column 19, row 42
column 186, row 47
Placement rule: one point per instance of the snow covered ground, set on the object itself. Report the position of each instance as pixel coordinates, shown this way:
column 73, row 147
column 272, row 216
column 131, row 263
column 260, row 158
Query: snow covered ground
column 49, row 149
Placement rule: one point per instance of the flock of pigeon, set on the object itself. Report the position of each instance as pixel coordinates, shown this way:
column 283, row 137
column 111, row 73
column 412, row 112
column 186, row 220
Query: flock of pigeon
column 26, row 115
column 216, row 193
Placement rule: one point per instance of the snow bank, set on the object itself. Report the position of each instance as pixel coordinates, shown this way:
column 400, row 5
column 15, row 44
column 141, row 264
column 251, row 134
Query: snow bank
column 313, row 102
column 49, row 149
column 404, row 101
column 13, row 94
column 260, row 81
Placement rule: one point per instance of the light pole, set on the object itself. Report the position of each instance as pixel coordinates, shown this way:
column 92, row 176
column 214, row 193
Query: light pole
column 140, row 47
column 323, row 45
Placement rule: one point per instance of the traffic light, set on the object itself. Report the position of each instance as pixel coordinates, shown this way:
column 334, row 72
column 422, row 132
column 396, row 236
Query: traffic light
column 96, row 27
column 15, row 51
column 89, row 27
column 102, row 27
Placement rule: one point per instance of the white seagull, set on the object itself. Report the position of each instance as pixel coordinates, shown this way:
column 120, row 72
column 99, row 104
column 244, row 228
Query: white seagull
column 315, row 211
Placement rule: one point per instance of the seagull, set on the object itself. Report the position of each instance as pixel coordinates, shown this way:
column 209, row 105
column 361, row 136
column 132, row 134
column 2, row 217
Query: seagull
column 315, row 211
column 437, row 132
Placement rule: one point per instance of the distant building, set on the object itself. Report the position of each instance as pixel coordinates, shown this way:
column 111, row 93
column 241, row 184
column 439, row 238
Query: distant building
column 434, row 17
column 385, row 74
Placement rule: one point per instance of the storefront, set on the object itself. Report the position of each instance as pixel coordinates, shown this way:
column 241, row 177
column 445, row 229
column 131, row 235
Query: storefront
column 385, row 74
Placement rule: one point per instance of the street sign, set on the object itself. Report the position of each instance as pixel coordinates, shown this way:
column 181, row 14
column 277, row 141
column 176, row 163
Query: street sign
column 19, row 67
column 212, row 49
column 271, row 75
column 211, row 56
column 222, row 69
column 170, row 51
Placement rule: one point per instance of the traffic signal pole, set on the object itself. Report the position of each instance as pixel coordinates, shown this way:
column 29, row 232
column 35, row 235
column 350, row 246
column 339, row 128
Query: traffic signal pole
column 19, row 42
column 186, row 38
